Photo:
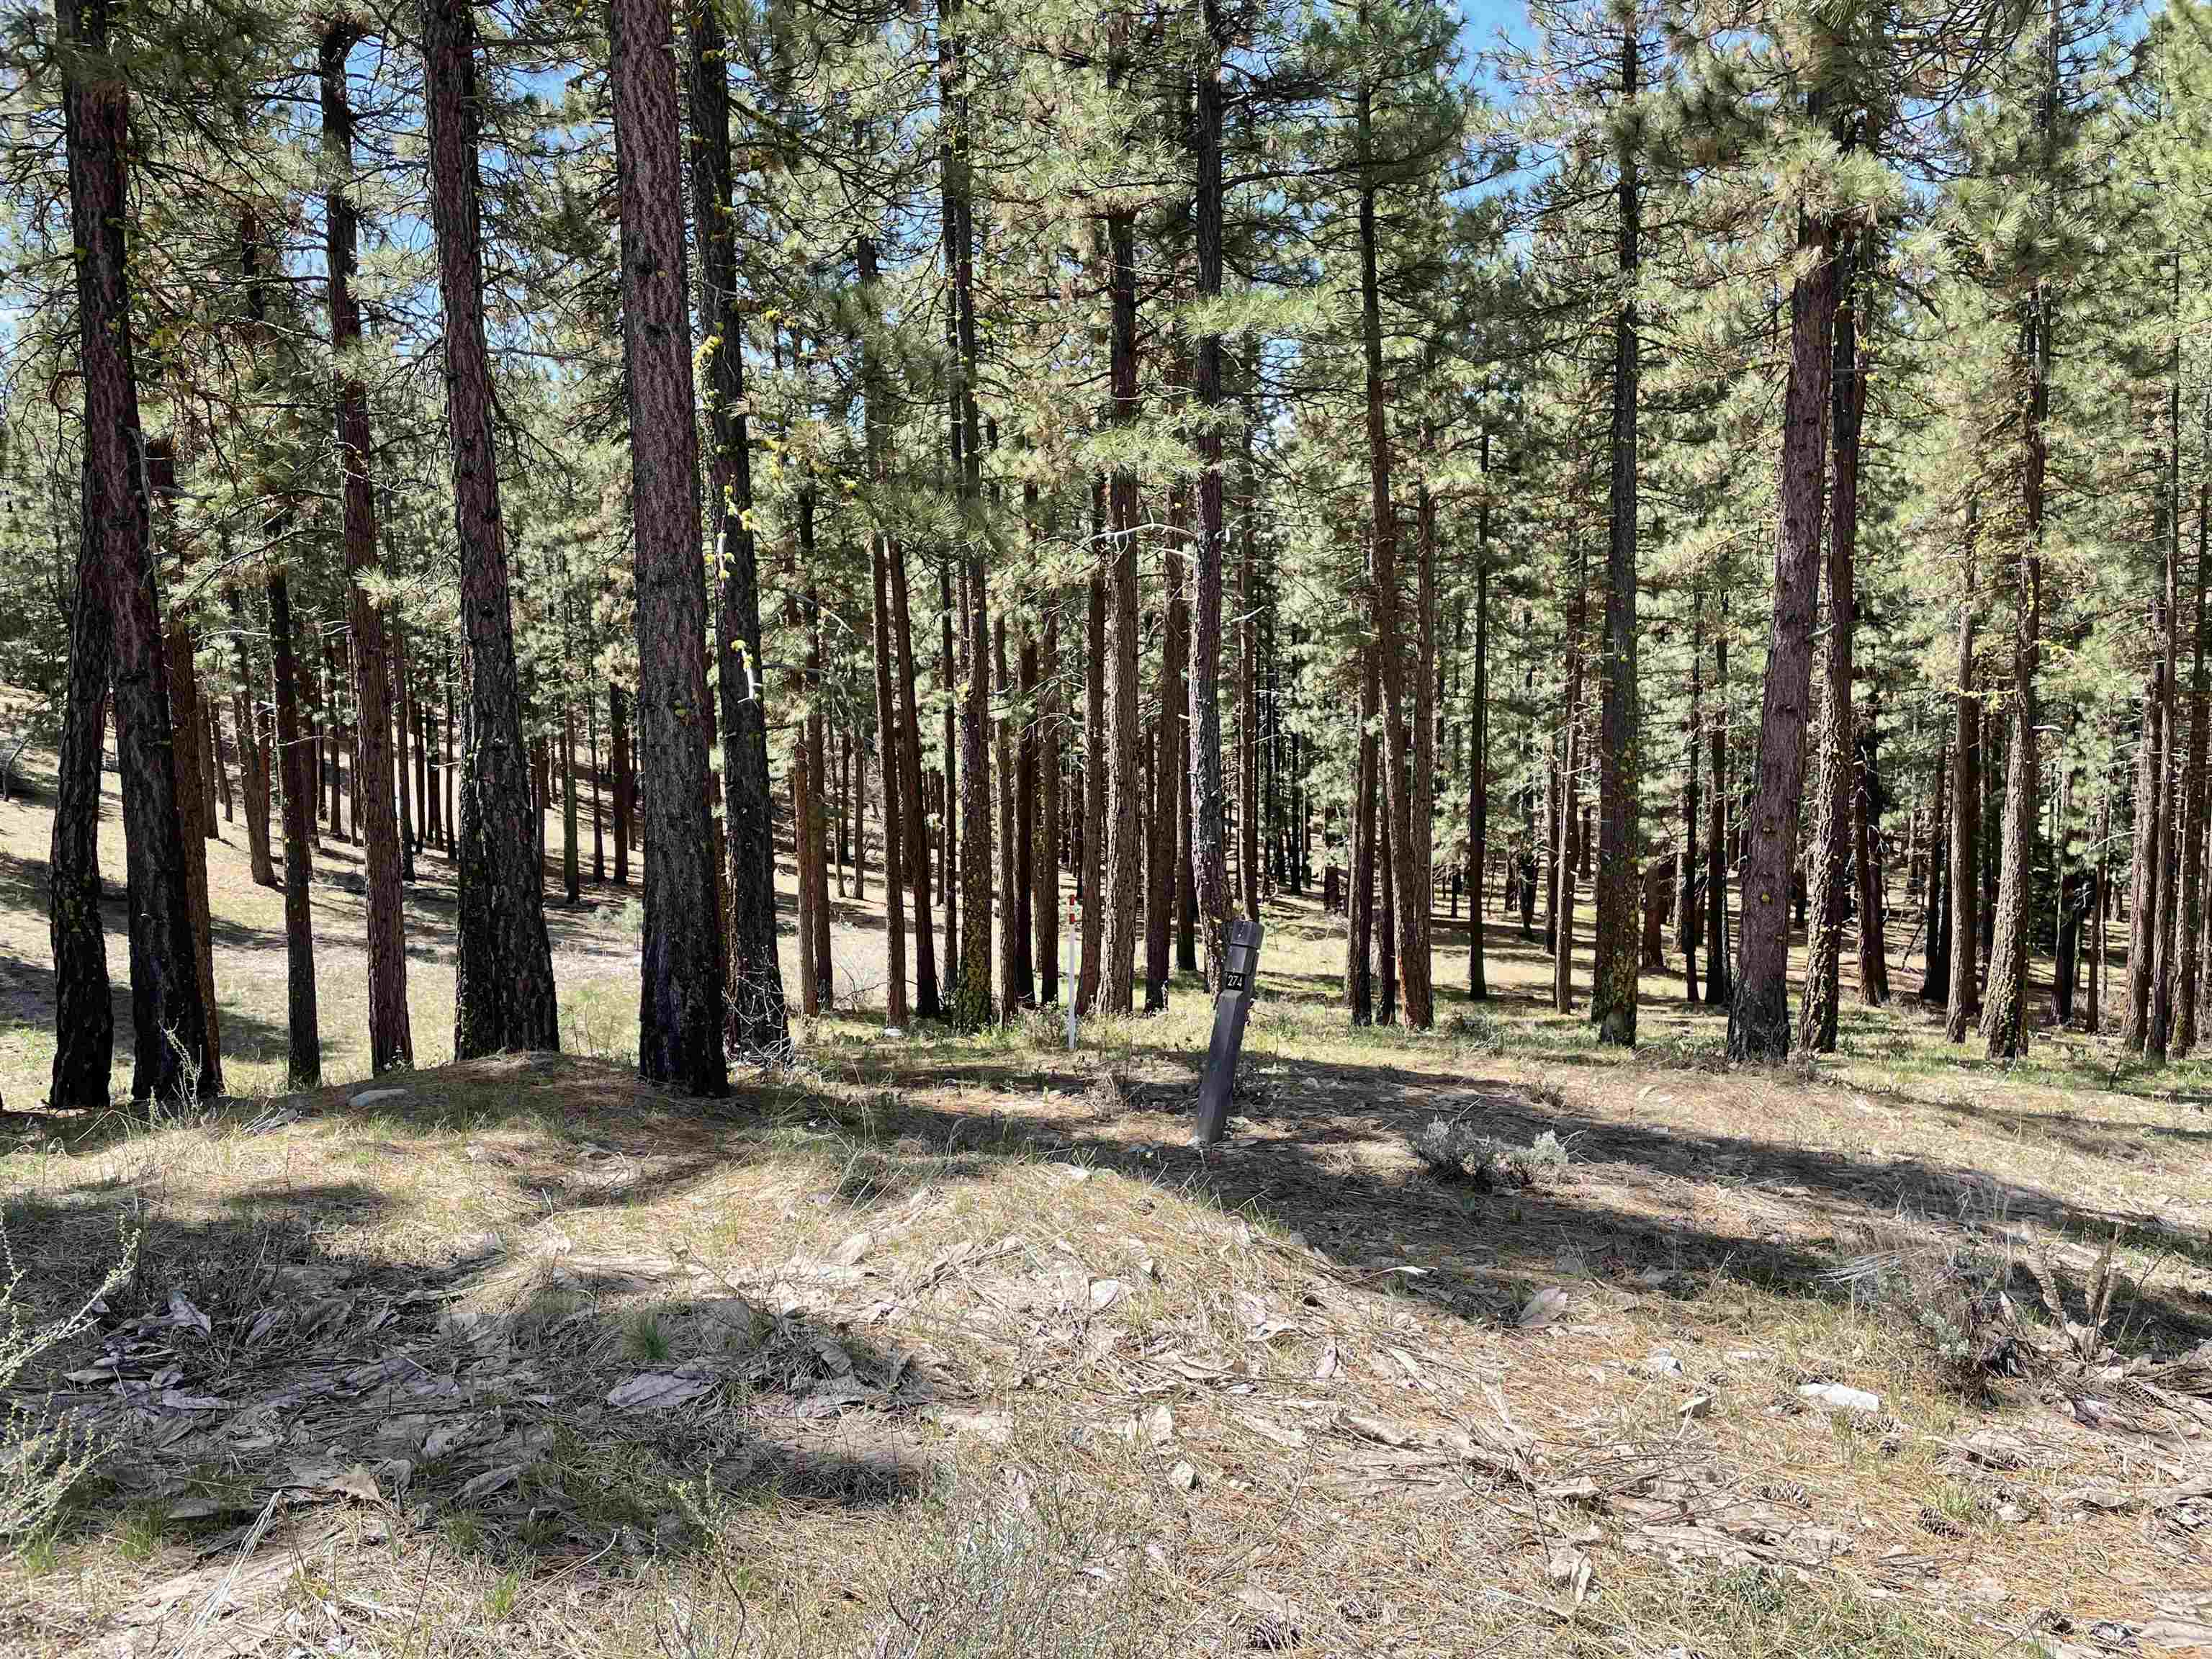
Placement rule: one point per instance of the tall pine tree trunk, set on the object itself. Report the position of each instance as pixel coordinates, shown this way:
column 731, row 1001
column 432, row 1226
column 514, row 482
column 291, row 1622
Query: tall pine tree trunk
column 84, row 1008
column 1023, row 898
column 1359, row 901
column 2004, row 1007
column 618, row 758
column 1247, row 701
column 1851, row 419
column 1759, row 1017
column 2192, row 851
column 1686, row 913
column 1097, row 752
column 1830, row 864
column 1163, row 901
column 1124, row 717
column 408, row 829
column 681, row 1004
column 1478, row 769
column 914, row 820
column 189, row 740
column 1571, row 760
column 1964, row 880
column 1044, row 865
column 972, row 1009
column 1619, row 766
column 1005, row 767
column 1720, row 984
column 293, row 765
column 1209, row 865
column 390, row 1038
column 253, row 768
column 1935, row 913
column 571, row 874
column 1403, row 774
column 503, row 992
column 755, row 1023
column 891, row 712
column 165, row 986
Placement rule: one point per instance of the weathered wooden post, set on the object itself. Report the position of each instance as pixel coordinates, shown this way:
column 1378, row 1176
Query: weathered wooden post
column 1240, row 976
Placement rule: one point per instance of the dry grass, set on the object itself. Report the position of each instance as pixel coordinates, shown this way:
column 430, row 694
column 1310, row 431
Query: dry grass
column 969, row 1353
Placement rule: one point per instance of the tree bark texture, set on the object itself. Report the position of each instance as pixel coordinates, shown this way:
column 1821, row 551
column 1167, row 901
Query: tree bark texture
column 503, row 991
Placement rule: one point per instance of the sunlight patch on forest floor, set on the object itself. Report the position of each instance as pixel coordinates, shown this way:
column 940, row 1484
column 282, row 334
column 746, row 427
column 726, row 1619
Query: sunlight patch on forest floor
column 942, row 1344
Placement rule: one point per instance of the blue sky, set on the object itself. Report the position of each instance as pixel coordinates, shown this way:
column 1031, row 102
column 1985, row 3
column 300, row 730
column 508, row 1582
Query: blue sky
column 1480, row 20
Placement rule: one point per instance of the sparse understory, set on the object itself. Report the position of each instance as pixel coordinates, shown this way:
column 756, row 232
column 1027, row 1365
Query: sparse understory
column 953, row 1345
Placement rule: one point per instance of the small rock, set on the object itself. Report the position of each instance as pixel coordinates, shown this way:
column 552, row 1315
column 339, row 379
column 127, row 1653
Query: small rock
column 1546, row 1307
column 1159, row 1425
column 850, row 1252
column 1660, row 1362
column 371, row 1097
column 1700, row 1405
column 1182, row 1477
column 1840, row 1397
column 1104, row 1293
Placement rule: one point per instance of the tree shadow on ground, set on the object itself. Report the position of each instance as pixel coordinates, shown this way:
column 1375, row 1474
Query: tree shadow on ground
column 1777, row 1213
column 517, row 1406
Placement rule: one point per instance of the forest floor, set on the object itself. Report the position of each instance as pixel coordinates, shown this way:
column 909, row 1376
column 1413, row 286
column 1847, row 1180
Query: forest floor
column 942, row 1345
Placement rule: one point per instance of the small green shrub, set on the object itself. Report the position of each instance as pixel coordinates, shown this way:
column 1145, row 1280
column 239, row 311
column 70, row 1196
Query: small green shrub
column 42, row 1454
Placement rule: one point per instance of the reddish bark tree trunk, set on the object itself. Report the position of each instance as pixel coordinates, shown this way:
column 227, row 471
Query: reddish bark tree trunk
column 680, row 1019
column 503, row 991
column 1759, row 1017
column 391, row 1039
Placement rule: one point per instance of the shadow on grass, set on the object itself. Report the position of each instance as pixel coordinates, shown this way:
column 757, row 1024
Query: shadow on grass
column 246, row 1365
